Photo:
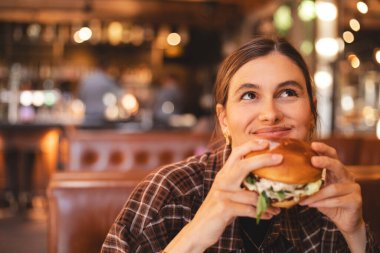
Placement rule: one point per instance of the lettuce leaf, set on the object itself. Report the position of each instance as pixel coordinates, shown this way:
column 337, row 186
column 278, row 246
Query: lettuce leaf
column 261, row 205
column 250, row 179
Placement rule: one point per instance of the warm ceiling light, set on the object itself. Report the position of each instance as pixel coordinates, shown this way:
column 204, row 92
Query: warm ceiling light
column 323, row 79
column 354, row 24
column 26, row 98
column 377, row 55
column 115, row 33
column 348, row 37
column 77, row 38
column 354, row 61
column 347, row 103
column 327, row 47
column 85, row 33
column 38, row 98
column 130, row 103
column 109, row 99
column 34, row 31
column 326, row 11
column 362, row 7
column 173, row 39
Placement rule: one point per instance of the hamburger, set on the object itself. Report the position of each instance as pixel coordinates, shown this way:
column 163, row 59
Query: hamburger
column 285, row 184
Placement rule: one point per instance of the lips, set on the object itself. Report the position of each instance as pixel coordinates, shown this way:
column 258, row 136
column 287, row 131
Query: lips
column 273, row 131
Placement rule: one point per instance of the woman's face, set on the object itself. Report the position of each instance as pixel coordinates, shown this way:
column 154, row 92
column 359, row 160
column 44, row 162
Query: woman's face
column 267, row 98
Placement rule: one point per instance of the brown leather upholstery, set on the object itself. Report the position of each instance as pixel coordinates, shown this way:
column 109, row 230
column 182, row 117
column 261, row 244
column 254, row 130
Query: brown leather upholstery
column 348, row 148
column 370, row 152
column 356, row 150
column 97, row 150
column 82, row 207
column 369, row 180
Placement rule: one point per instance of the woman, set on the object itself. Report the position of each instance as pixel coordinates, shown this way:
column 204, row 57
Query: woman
column 262, row 90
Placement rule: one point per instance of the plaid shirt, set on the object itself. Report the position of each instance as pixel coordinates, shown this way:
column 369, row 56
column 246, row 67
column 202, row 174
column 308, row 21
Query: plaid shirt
column 167, row 200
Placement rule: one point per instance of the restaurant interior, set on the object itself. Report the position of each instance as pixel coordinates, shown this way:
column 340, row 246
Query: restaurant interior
column 64, row 180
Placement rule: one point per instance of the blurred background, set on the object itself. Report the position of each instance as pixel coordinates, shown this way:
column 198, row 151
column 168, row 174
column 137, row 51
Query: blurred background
column 72, row 71
column 48, row 47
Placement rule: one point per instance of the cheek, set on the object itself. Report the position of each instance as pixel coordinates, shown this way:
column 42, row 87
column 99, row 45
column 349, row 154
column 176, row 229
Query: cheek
column 303, row 118
column 240, row 120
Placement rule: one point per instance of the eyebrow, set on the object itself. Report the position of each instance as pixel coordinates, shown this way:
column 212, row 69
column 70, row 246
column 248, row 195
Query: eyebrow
column 246, row 86
column 280, row 85
column 291, row 83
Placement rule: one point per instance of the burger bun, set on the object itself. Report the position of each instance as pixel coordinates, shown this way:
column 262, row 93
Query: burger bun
column 296, row 167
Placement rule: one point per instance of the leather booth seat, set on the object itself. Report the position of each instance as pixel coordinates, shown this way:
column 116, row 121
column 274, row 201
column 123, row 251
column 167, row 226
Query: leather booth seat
column 369, row 179
column 356, row 150
column 98, row 150
column 84, row 205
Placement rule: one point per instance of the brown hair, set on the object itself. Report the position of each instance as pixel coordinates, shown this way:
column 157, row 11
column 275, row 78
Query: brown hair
column 253, row 49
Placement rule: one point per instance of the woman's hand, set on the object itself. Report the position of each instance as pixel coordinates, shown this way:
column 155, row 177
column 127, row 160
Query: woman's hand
column 226, row 200
column 340, row 198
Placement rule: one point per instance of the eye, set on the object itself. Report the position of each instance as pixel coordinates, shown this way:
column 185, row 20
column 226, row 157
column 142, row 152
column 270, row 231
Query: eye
column 249, row 95
column 288, row 93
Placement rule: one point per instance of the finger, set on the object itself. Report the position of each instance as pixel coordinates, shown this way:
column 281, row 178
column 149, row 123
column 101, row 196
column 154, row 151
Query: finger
column 242, row 196
column 240, row 152
column 249, row 198
column 345, row 201
column 266, row 216
column 236, row 169
column 232, row 179
column 331, row 191
column 273, row 210
column 333, row 166
column 324, row 149
column 256, row 162
column 239, row 210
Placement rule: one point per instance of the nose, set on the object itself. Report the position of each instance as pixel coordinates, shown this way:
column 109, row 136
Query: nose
column 270, row 113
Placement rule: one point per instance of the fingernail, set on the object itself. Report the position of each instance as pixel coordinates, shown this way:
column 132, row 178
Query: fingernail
column 276, row 157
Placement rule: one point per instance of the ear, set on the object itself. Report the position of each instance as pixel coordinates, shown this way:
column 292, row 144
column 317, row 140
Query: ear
column 222, row 117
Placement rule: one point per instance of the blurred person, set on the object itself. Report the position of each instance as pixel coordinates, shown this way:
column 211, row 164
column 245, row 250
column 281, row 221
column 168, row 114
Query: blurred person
column 263, row 90
column 92, row 88
column 168, row 101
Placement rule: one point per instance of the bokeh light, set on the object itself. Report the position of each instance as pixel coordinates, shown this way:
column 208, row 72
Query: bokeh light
column 173, row 39
column 348, row 37
column 326, row 11
column 354, row 24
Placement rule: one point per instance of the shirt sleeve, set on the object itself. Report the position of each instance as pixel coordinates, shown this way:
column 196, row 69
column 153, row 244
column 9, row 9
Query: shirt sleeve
column 156, row 211
column 130, row 232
